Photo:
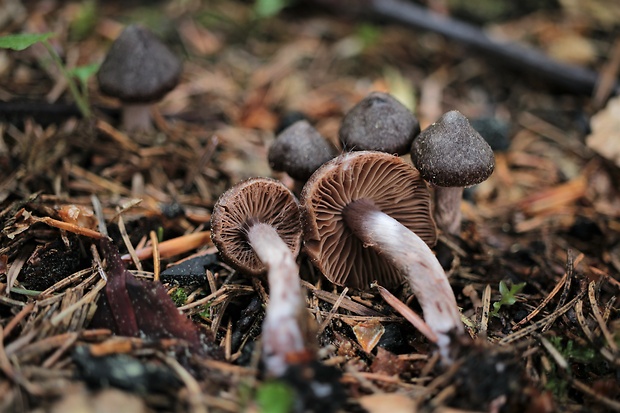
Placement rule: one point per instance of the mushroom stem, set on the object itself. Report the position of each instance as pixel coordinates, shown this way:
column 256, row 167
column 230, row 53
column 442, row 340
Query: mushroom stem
column 448, row 209
column 282, row 335
column 415, row 260
column 136, row 117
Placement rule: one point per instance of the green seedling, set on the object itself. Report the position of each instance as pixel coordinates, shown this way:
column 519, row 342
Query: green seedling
column 275, row 397
column 573, row 352
column 508, row 296
column 82, row 74
column 23, row 41
column 206, row 312
column 264, row 9
column 179, row 296
column 160, row 234
column 587, row 357
column 368, row 34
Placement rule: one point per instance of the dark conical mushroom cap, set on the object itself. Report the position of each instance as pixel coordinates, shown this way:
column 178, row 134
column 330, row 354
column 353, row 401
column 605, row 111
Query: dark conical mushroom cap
column 299, row 150
column 451, row 153
column 379, row 122
column 393, row 185
column 255, row 200
column 139, row 67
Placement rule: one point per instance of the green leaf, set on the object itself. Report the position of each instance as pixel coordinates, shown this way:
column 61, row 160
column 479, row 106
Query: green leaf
column 206, row 311
column 508, row 296
column 23, row 40
column 83, row 73
column 503, row 289
column 268, row 8
column 275, row 397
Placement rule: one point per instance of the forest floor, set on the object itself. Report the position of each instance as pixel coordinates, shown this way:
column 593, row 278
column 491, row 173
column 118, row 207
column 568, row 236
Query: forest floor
column 535, row 270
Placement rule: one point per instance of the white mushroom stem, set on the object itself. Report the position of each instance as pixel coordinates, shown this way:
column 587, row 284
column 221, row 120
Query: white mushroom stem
column 282, row 335
column 415, row 260
column 136, row 117
column 448, row 209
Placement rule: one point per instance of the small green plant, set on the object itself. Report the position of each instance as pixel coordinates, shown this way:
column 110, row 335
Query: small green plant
column 557, row 381
column 206, row 312
column 572, row 352
column 268, row 8
column 508, row 296
column 368, row 34
column 179, row 296
column 160, row 234
column 23, row 41
column 275, row 397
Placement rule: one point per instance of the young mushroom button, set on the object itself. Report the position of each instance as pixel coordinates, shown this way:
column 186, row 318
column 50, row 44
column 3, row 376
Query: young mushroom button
column 379, row 122
column 367, row 217
column 138, row 70
column 299, row 150
column 450, row 154
column 256, row 227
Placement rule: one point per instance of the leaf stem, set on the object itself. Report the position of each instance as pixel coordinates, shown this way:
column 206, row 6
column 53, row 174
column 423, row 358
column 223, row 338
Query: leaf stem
column 80, row 100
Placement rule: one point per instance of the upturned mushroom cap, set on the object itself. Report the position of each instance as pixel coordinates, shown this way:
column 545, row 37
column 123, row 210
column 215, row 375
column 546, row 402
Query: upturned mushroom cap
column 392, row 184
column 299, row 150
column 255, row 200
column 139, row 68
column 451, row 153
column 379, row 122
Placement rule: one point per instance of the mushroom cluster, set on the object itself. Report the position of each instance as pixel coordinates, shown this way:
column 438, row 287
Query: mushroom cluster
column 450, row 154
column 378, row 122
column 366, row 214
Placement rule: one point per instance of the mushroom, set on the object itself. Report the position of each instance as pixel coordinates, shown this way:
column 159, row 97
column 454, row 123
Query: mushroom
column 138, row 70
column 450, row 154
column 379, row 122
column 256, row 227
column 367, row 217
column 299, row 150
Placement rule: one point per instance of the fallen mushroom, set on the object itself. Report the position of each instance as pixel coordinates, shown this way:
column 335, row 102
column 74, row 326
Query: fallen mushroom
column 379, row 122
column 256, row 227
column 451, row 155
column 367, row 217
column 299, row 150
column 138, row 70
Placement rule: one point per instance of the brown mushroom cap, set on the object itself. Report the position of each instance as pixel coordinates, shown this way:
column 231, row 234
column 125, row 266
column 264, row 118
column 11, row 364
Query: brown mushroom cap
column 138, row 68
column 450, row 153
column 299, row 150
column 255, row 200
column 392, row 184
column 379, row 122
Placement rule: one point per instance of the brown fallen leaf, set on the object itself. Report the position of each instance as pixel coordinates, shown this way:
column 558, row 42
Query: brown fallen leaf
column 135, row 308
